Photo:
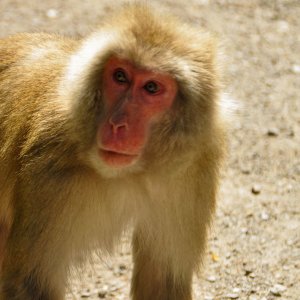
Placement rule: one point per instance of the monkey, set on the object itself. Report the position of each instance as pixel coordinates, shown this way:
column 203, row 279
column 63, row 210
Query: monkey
column 120, row 130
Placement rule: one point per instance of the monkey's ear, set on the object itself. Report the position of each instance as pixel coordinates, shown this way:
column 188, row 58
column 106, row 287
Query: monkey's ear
column 83, row 69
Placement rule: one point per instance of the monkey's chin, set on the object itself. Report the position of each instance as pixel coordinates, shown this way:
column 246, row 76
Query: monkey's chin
column 117, row 159
column 108, row 168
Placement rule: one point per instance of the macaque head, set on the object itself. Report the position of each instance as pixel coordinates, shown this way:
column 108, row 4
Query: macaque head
column 156, row 86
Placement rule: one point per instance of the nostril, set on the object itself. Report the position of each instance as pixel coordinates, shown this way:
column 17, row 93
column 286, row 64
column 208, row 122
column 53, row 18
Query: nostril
column 118, row 124
column 117, row 128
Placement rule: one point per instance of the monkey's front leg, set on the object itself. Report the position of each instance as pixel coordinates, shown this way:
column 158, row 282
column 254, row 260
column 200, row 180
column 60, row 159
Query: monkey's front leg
column 154, row 279
column 33, row 264
column 27, row 274
column 18, row 286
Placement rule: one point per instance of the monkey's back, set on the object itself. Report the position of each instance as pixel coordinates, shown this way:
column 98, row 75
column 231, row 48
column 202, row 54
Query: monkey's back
column 27, row 62
column 31, row 67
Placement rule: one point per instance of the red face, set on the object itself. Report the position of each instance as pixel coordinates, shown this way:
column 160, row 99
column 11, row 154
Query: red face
column 134, row 100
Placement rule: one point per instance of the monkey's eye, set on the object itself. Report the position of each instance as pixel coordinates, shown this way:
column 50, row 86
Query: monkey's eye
column 152, row 87
column 120, row 76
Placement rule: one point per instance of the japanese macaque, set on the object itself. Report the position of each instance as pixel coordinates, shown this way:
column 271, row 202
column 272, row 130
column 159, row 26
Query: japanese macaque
column 120, row 130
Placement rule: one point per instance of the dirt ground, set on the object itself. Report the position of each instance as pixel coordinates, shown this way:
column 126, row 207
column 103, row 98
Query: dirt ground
column 254, row 249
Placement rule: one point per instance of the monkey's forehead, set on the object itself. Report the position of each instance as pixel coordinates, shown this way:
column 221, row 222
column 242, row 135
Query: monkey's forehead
column 146, row 36
column 147, row 41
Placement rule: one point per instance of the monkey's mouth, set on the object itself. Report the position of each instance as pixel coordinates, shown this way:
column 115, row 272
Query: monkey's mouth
column 117, row 159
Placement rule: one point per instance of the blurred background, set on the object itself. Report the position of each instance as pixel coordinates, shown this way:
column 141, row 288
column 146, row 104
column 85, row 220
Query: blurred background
column 254, row 247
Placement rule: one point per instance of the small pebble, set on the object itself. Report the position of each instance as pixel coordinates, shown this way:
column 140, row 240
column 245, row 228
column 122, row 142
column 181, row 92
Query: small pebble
column 103, row 292
column 211, row 278
column 277, row 290
column 248, row 271
column 283, row 26
column 204, row 2
column 244, row 230
column 264, row 216
column 215, row 257
column 232, row 296
column 296, row 69
column 256, row 189
column 246, row 170
column 115, row 286
column 52, row 13
column 85, row 294
column 122, row 267
column 291, row 132
column 273, row 131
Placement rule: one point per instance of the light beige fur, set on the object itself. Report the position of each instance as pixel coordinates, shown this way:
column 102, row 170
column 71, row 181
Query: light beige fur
column 58, row 201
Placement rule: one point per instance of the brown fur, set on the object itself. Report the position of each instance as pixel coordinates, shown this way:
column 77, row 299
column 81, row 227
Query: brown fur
column 58, row 202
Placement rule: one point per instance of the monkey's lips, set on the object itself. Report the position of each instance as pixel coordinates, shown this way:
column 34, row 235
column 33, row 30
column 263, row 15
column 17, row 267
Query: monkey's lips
column 117, row 159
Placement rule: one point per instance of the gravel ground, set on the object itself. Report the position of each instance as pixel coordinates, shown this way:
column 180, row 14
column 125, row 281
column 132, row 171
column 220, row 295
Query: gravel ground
column 254, row 249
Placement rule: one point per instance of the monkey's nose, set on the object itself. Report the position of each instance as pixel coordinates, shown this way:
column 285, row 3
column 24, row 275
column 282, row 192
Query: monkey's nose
column 119, row 124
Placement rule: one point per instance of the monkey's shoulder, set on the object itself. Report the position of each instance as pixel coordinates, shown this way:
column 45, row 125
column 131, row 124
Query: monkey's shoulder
column 32, row 47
